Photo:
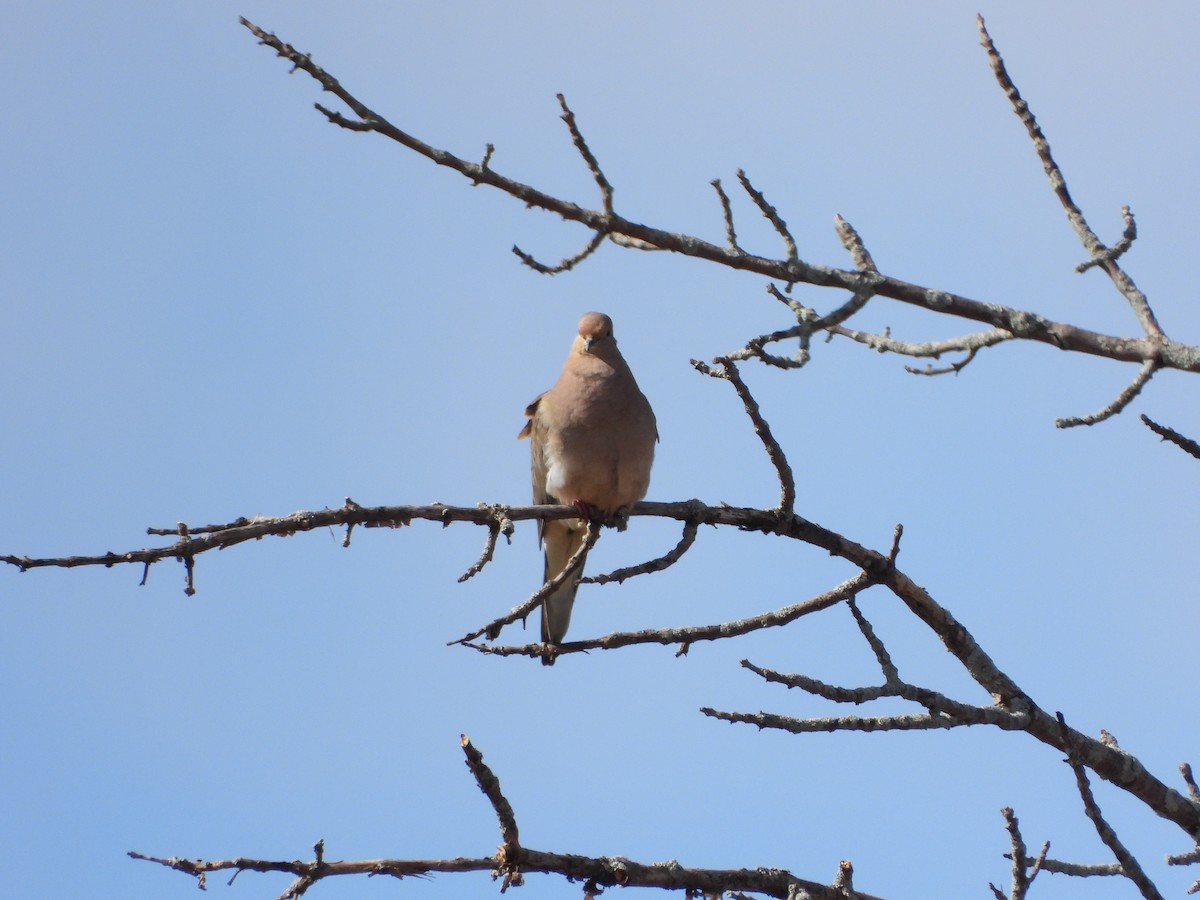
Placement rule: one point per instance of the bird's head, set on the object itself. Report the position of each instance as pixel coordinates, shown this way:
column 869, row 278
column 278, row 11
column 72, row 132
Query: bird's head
column 595, row 330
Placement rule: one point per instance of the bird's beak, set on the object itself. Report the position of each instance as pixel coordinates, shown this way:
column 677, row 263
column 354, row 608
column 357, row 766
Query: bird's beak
column 587, row 344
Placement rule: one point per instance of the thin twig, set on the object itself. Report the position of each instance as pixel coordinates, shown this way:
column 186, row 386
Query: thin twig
column 1190, row 858
column 727, row 216
column 490, row 785
column 696, row 633
column 1099, row 254
column 566, row 264
column 937, row 704
column 1020, row 879
column 772, row 216
column 1145, row 373
column 1129, row 864
column 1117, row 250
column 787, row 482
column 522, row 610
column 668, row 559
column 854, row 245
column 1187, row 445
column 897, row 534
column 885, row 343
column 953, row 368
column 606, row 188
column 1040, row 862
column 501, row 524
column 891, row 675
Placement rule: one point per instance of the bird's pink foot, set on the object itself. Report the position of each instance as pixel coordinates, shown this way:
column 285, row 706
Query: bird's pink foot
column 585, row 510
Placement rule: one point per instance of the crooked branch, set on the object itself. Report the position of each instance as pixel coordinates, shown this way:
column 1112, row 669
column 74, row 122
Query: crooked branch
column 512, row 861
column 1020, row 323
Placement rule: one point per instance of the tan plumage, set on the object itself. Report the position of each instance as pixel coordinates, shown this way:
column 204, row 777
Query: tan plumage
column 592, row 445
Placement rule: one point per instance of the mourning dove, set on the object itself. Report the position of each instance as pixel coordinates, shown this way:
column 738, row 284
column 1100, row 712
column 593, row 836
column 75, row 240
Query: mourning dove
column 592, row 445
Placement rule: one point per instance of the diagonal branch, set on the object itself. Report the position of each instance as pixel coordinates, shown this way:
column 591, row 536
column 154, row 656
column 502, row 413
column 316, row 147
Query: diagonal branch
column 1117, row 250
column 567, row 263
column 1129, row 864
column 510, row 850
column 787, row 482
column 1100, row 255
column 939, row 706
column 854, row 245
column 522, row 610
column 500, row 524
column 1110, row 764
column 602, row 182
column 1187, row 445
column 772, row 215
column 1078, row 870
column 891, row 675
column 1020, row 323
column 1145, row 373
column 686, row 636
column 658, row 564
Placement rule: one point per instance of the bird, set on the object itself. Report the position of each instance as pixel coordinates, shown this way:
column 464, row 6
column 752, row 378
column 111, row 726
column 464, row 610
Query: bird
column 592, row 440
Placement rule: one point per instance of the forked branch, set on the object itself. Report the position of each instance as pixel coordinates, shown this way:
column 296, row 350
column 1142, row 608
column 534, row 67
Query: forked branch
column 512, row 862
column 789, row 269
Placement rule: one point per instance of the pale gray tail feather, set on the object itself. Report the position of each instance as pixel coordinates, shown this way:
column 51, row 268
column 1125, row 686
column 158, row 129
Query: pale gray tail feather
column 561, row 540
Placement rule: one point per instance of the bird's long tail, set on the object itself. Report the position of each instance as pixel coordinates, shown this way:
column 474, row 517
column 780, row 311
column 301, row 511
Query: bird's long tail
column 560, row 540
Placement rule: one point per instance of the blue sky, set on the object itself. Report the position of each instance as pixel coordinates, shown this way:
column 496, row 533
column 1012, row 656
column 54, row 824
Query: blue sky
column 215, row 304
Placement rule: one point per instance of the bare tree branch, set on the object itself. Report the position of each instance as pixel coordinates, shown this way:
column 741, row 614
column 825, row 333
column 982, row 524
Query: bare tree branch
column 731, row 241
column 891, row 675
column 1130, row 867
column 686, row 636
column 1190, row 858
column 512, row 861
column 787, row 482
column 1117, row 250
column 668, row 559
column 500, row 524
column 854, row 245
column 772, row 215
column 1149, row 367
column 968, row 343
column 1012, row 709
column 1100, row 255
column 510, row 850
column 522, row 610
column 1020, row 878
column 1187, row 445
column 1077, row 870
column 1193, row 789
column 1019, row 323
